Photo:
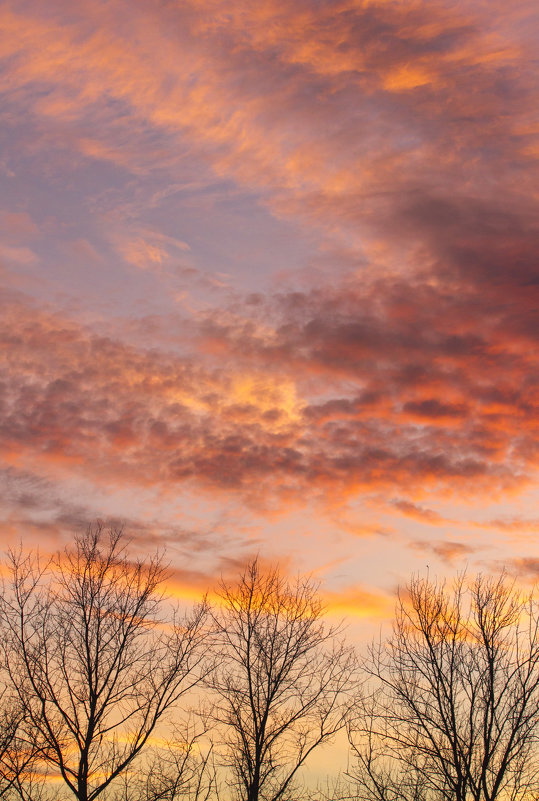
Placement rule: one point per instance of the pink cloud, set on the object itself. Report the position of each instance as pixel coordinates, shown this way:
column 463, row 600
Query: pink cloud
column 399, row 358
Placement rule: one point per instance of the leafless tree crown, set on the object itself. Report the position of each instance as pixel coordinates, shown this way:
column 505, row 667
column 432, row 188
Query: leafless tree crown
column 280, row 680
column 92, row 665
column 453, row 711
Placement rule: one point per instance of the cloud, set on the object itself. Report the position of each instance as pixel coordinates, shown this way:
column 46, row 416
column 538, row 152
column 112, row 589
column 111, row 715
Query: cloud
column 247, row 420
column 526, row 567
column 418, row 512
column 448, row 551
column 262, row 102
column 360, row 602
column 398, row 137
column 415, row 394
column 518, row 524
column 17, row 226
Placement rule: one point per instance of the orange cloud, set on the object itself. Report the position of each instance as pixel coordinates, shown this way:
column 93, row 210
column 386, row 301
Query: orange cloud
column 76, row 401
column 360, row 602
column 418, row 512
column 359, row 48
column 448, row 551
column 402, row 358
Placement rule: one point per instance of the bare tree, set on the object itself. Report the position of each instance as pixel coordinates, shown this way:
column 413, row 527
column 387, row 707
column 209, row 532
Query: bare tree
column 179, row 769
column 17, row 757
column 281, row 681
column 94, row 666
column 454, row 710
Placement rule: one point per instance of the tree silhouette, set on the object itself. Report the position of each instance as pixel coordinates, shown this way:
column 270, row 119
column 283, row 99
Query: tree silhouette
column 281, row 680
column 17, row 756
column 453, row 711
column 93, row 665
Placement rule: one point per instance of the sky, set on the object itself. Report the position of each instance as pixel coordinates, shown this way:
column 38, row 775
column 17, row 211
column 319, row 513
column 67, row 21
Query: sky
column 269, row 285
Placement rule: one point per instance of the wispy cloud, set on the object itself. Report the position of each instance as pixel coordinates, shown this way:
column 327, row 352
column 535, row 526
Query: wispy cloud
column 284, row 253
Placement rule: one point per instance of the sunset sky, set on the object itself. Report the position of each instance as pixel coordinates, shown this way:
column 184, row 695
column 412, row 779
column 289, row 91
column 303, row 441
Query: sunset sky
column 269, row 284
